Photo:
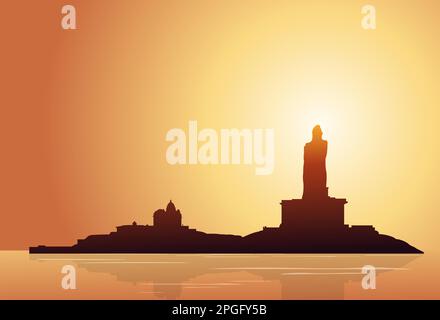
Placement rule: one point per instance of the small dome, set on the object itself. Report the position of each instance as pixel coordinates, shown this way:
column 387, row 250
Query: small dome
column 171, row 207
column 159, row 212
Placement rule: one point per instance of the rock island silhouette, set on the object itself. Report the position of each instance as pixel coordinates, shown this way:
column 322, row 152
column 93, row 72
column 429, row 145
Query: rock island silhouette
column 312, row 224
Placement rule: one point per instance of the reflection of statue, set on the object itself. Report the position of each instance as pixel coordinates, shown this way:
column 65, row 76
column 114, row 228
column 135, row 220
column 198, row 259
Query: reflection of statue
column 315, row 174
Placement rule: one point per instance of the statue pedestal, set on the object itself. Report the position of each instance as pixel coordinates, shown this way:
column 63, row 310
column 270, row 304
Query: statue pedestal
column 311, row 215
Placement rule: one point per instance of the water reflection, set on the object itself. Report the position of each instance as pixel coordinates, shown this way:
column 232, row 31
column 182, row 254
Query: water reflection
column 298, row 276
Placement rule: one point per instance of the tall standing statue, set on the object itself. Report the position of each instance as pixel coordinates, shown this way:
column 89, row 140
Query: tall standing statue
column 315, row 173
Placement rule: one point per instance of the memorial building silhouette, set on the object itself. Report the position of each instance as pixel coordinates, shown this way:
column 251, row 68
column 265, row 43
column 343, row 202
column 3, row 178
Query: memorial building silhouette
column 313, row 224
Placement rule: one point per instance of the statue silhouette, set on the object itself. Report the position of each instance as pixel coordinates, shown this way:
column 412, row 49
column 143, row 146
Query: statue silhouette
column 315, row 173
column 313, row 224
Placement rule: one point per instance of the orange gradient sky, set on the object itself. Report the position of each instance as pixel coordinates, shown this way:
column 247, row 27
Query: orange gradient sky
column 85, row 112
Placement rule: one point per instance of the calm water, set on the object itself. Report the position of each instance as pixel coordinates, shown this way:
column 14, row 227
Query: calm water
column 219, row 276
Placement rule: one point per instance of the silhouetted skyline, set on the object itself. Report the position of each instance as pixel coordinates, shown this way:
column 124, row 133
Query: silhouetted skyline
column 313, row 224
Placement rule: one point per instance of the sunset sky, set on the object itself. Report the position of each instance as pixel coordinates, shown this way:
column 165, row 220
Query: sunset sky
column 84, row 113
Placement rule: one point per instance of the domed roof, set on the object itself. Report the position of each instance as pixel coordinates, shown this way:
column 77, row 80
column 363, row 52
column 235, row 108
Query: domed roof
column 159, row 212
column 171, row 207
